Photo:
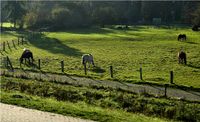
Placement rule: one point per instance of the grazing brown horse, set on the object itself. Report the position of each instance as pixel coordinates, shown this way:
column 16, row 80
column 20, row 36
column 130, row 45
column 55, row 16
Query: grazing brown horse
column 181, row 37
column 27, row 54
column 182, row 57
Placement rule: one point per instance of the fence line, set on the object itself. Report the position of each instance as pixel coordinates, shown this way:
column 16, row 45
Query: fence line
column 12, row 44
column 42, row 65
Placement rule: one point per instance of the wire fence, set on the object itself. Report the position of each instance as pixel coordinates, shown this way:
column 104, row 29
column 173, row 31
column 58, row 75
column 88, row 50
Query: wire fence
column 9, row 45
column 61, row 66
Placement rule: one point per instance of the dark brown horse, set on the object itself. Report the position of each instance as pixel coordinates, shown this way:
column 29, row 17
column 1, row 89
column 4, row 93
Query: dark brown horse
column 27, row 54
column 182, row 57
column 181, row 37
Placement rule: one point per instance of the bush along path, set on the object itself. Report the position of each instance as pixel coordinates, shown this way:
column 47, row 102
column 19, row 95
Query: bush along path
column 157, row 91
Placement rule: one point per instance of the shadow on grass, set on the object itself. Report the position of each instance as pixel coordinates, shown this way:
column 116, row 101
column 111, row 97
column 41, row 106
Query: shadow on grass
column 27, row 64
column 190, row 42
column 106, row 30
column 193, row 66
column 91, row 30
column 52, row 45
column 158, row 79
column 98, row 69
column 8, row 33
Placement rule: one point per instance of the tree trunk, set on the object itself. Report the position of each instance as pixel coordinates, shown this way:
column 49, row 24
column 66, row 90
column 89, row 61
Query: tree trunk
column 15, row 22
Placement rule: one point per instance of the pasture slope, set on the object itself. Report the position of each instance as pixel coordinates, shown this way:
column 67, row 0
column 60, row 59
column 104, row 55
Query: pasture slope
column 152, row 48
column 155, row 49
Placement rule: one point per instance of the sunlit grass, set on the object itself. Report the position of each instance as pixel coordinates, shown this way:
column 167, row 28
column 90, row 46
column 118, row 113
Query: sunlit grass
column 7, row 24
column 155, row 49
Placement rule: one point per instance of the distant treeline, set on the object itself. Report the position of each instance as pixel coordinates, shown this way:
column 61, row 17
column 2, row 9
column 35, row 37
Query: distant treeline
column 59, row 15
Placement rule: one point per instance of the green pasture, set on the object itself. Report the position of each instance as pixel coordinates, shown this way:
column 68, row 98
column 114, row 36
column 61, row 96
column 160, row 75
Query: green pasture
column 153, row 48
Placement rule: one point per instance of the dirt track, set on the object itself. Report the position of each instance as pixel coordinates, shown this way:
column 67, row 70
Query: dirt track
column 11, row 113
column 136, row 88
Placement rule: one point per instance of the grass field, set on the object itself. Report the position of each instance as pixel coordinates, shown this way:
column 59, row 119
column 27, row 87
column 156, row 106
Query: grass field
column 154, row 48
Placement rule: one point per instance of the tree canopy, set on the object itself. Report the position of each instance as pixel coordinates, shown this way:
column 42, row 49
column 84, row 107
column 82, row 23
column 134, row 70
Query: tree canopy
column 68, row 14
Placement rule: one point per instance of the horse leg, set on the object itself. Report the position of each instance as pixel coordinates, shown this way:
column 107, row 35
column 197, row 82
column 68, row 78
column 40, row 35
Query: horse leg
column 182, row 61
column 185, row 61
column 25, row 61
column 92, row 63
column 32, row 59
column 29, row 61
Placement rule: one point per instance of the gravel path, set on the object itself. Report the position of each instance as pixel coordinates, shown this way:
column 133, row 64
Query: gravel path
column 136, row 88
column 11, row 113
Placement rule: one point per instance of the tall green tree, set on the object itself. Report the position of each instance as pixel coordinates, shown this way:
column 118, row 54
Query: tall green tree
column 16, row 11
column 104, row 15
column 196, row 16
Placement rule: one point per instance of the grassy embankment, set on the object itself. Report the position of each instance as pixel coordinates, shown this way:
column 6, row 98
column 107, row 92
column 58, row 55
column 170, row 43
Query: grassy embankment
column 96, row 103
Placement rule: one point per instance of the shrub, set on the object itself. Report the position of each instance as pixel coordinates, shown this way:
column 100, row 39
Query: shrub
column 10, row 85
column 67, row 95
column 187, row 113
column 170, row 112
column 23, row 87
column 107, row 102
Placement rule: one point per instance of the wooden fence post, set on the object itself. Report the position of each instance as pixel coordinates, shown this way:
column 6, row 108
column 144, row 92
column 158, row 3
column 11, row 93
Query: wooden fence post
column 13, row 43
column 85, row 69
column 18, row 40
column 141, row 72
column 166, row 85
column 9, row 62
column 62, row 65
column 111, row 71
column 171, row 77
column 38, row 63
column 4, row 46
column 8, row 44
column 22, row 40
column 5, row 62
